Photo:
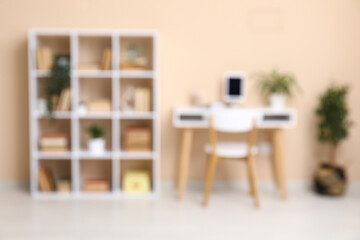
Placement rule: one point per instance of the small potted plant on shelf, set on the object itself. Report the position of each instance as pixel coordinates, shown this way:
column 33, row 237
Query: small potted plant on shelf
column 333, row 127
column 277, row 86
column 96, row 143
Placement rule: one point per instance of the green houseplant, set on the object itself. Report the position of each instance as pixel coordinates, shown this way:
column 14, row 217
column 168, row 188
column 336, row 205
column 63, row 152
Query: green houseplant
column 96, row 143
column 277, row 86
column 59, row 79
column 333, row 127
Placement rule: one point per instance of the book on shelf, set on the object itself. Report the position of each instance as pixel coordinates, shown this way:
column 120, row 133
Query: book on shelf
column 63, row 184
column 106, row 59
column 45, row 179
column 89, row 66
column 54, row 149
column 53, row 142
column 99, row 105
column 44, row 58
column 96, row 185
column 142, row 99
column 137, row 139
column 63, row 103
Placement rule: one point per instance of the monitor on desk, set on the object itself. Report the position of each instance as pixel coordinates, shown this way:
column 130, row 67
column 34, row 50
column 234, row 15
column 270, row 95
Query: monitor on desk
column 234, row 87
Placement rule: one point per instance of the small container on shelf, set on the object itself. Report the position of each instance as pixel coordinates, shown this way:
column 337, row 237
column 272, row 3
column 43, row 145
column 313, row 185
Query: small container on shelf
column 136, row 176
column 136, row 135
column 136, row 181
column 137, row 139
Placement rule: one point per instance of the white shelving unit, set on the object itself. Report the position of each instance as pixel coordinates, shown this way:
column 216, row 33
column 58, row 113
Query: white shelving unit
column 74, row 42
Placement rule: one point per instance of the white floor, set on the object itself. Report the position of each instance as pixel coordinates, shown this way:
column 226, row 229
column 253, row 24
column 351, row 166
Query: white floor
column 230, row 215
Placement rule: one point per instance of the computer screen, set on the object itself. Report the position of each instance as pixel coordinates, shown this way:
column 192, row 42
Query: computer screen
column 234, row 87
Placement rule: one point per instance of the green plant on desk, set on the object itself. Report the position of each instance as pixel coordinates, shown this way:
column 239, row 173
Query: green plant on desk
column 277, row 82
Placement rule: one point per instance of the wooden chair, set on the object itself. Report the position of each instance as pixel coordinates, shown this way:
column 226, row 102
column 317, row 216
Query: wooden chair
column 231, row 121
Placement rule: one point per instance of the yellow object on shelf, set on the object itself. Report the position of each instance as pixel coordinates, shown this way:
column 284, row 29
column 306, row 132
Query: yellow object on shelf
column 136, row 182
column 64, row 185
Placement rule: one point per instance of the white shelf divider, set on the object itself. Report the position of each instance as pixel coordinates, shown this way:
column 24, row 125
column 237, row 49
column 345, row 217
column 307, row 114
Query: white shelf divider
column 75, row 154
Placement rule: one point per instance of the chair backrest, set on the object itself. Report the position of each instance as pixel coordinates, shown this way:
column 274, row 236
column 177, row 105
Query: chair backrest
column 233, row 120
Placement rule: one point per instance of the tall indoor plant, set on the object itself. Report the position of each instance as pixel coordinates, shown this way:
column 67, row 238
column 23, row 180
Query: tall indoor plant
column 333, row 127
column 277, row 86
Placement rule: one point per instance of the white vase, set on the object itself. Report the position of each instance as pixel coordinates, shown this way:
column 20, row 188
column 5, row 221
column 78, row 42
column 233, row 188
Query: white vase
column 82, row 109
column 277, row 101
column 96, row 146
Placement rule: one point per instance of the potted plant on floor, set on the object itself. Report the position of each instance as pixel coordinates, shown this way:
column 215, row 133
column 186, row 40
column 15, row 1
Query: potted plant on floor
column 276, row 87
column 96, row 143
column 333, row 127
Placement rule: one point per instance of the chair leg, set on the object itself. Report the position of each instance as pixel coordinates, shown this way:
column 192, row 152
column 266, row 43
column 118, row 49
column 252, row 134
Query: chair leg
column 209, row 178
column 252, row 192
column 252, row 178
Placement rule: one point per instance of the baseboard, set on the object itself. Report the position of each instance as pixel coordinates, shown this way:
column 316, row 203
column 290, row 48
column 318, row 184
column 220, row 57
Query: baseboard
column 167, row 184
column 14, row 184
column 292, row 185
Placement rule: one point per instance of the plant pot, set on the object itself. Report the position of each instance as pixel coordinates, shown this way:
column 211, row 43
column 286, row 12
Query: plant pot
column 330, row 180
column 96, row 146
column 277, row 101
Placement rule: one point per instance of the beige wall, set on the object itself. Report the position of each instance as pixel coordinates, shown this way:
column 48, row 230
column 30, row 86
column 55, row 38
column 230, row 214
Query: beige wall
column 316, row 40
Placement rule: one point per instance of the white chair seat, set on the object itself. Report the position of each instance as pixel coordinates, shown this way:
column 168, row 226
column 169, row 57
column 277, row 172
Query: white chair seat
column 231, row 149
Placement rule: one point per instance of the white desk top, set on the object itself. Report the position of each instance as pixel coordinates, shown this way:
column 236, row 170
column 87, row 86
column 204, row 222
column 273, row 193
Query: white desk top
column 197, row 117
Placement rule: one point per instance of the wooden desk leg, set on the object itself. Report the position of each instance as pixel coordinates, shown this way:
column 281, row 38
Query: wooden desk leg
column 278, row 161
column 184, row 161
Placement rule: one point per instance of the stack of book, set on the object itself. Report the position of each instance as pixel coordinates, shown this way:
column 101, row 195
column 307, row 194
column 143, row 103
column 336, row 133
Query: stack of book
column 106, row 59
column 44, row 58
column 63, row 103
column 142, row 99
column 100, row 105
column 46, row 181
column 97, row 185
column 137, row 139
column 54, row 142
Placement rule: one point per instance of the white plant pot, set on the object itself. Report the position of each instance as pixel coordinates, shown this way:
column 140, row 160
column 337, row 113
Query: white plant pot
column 96, row 146
column 277, row 101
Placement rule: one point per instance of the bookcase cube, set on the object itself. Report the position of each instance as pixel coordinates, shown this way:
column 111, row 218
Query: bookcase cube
column 131, row 58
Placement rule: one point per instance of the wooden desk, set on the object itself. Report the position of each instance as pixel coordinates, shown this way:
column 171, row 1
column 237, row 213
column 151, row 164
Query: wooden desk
column 187, row 142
